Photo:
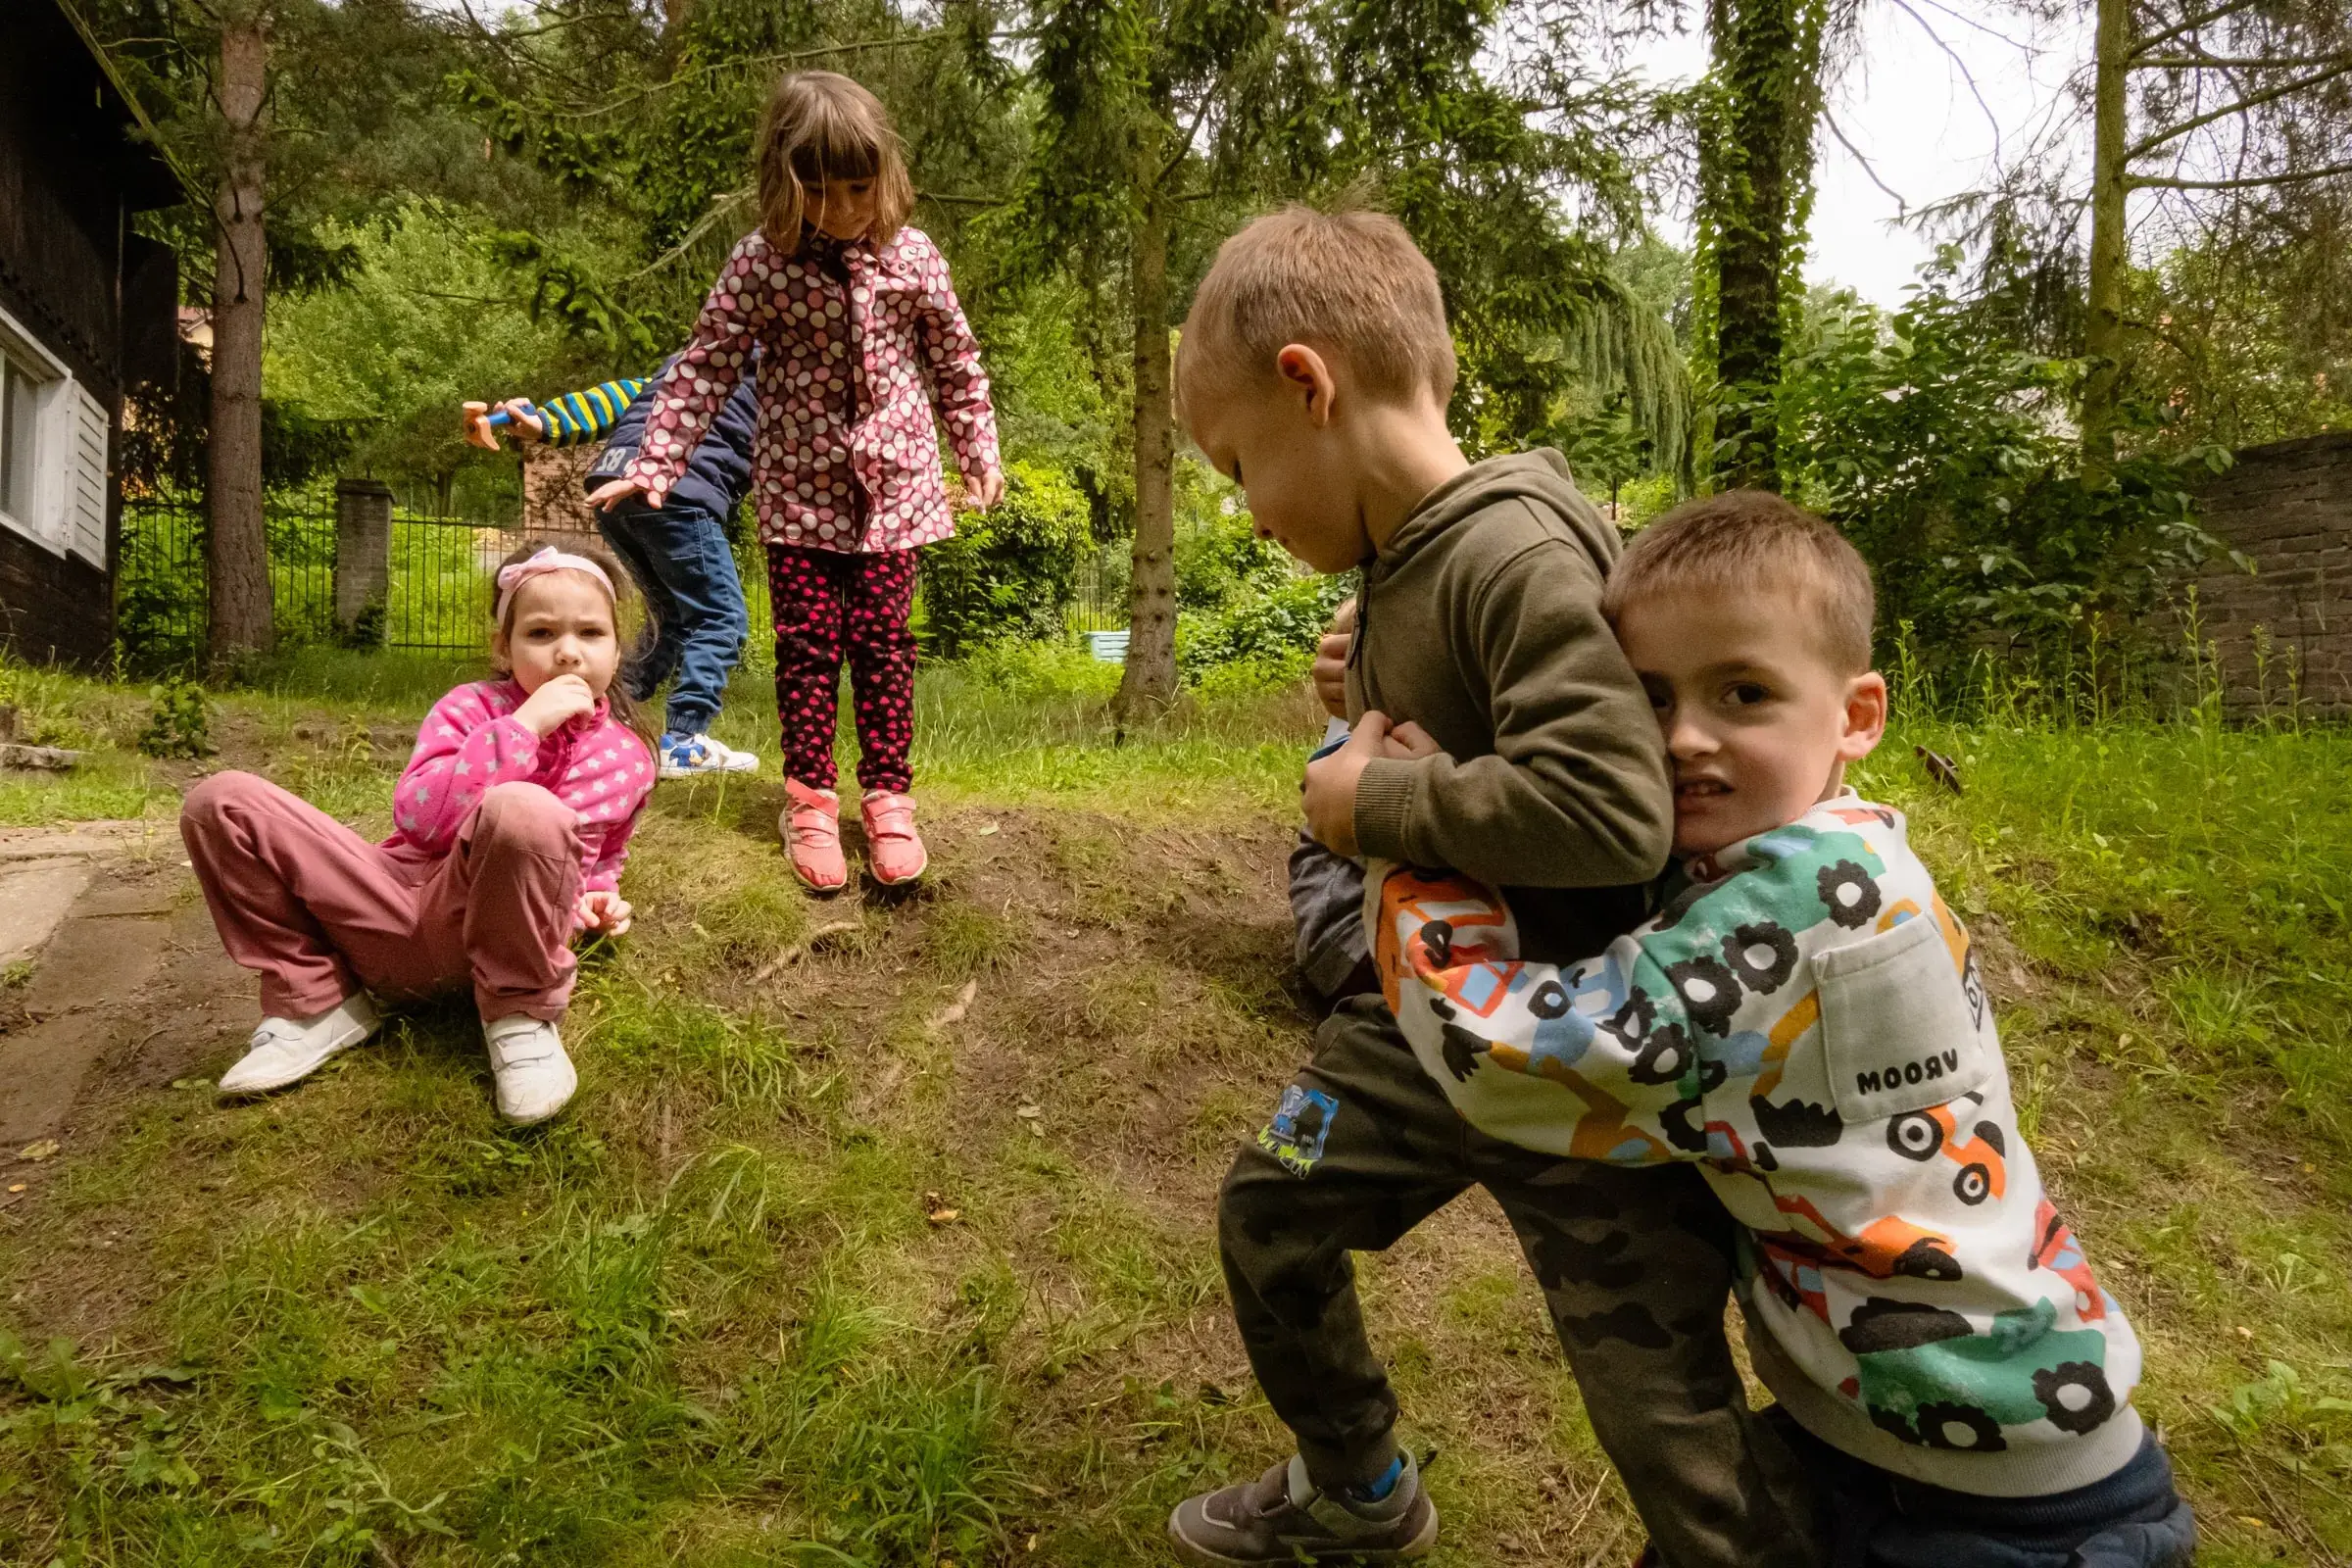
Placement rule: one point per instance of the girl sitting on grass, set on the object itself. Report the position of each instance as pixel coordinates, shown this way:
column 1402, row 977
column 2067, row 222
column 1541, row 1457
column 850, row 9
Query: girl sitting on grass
column 511, row 821
column 861, row 343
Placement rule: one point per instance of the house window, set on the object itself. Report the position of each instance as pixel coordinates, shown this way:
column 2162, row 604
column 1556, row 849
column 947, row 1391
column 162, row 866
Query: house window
column 20, row 440
column 55, row 489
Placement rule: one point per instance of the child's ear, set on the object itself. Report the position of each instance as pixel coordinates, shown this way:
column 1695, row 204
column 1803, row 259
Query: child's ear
column 1865, row 716
column 1306, row 373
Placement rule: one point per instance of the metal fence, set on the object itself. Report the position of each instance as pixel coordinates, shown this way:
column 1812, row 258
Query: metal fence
column 440, row 589
column 438, row 598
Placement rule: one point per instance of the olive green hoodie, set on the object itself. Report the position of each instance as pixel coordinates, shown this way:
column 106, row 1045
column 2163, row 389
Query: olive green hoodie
column 1480, row 619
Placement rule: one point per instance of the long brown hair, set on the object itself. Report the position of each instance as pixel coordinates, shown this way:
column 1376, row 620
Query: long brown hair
column 617, row 696
column 820, row 126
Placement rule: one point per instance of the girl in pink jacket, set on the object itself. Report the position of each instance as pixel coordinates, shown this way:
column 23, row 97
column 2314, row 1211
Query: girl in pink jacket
column 511, row 821
column 863, row 346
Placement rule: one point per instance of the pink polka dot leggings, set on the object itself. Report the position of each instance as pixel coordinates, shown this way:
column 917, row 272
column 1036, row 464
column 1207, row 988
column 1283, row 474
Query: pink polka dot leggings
column 830, row 605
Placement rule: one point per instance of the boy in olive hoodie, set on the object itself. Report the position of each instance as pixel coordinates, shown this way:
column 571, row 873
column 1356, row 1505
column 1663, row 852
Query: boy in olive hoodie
column 1315, row 371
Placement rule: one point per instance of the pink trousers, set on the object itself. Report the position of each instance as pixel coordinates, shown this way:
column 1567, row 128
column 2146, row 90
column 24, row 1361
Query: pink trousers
column 318, row 913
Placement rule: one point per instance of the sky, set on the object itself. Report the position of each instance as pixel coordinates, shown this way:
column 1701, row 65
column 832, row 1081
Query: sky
column 1908, row 106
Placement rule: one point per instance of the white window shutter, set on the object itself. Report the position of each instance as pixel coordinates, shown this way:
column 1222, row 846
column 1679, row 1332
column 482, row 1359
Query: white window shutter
column 87, row 483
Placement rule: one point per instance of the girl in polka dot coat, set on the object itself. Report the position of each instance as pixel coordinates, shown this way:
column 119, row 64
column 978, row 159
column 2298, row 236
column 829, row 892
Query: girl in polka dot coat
column 863, row 353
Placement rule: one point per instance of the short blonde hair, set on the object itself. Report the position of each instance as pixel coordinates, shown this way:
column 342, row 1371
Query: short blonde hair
column 1349, row 283
column 1741, row 539
column 820, row 126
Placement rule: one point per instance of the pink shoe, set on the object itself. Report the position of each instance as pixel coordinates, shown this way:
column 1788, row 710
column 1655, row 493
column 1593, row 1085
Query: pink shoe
column 811, row 832
column 891, row 840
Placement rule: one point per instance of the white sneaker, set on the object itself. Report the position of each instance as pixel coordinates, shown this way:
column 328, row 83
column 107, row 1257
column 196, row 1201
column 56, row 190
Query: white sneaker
column 287, row 1051
column 535, row 1079
column 697, row 755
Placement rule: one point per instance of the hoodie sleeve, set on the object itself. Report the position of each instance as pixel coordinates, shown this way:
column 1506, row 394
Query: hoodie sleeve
column 1575, row 792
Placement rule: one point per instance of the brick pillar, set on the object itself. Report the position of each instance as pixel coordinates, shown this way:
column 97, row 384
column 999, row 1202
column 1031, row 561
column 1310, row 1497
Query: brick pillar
column 363, row 558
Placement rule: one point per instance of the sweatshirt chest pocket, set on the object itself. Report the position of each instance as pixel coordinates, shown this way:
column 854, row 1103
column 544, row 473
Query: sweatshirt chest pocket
column 1898, row 1031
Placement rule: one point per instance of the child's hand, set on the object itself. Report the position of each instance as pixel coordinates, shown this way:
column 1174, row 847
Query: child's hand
column 555, row 704
column 604, row 913
column 1408, row 742
column 1331, row 661
column 605, row 497
column 1330, row 793
column 526, row 424
column 986, row 491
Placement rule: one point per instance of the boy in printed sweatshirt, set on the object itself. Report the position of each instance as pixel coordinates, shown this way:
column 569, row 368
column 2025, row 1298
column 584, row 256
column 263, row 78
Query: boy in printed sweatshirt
column 1315, row 371
column 1803, row 1022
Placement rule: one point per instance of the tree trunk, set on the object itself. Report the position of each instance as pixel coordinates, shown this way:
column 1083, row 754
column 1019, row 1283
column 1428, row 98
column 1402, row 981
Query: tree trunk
column 1148, row 683
column 239, row 553
column 2103, row 330
column 1757, row 162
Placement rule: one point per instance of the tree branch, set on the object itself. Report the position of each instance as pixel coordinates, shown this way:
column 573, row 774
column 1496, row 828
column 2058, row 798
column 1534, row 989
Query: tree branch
column 2200, row 61
column 1902, row 206
column 2253, row 100
column 2187, row 25
column 2251, row 183
column 1967, row 75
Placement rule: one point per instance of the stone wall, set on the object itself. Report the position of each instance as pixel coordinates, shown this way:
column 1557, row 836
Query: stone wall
column 2288, row 628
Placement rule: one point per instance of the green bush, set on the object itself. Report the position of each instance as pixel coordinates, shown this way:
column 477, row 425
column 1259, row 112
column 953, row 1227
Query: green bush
column 1946, row 454
column 1224, row 560
column 179, row 724
column 1265, row 637
column 1010, row 571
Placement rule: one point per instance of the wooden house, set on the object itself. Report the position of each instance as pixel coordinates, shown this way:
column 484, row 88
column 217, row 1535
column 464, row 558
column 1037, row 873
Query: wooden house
column 86, row 311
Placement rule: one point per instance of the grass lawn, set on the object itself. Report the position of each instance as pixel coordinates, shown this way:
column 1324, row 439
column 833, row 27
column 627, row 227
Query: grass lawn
column 899, row 1251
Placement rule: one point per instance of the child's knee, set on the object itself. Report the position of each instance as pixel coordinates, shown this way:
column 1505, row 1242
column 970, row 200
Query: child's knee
column 212, row 798
column 526, row 817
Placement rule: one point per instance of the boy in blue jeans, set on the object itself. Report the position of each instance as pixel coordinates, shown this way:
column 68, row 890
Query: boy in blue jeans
column 678, row 551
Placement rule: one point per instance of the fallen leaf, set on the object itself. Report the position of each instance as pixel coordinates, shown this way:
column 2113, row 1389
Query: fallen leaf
column 1030, row 1112
column 2244, row 1332
column 16, row 1187
column 40, row 1151
column 984, row 832
column 2252, row 1523
column 955, row 1010
column 697, row 929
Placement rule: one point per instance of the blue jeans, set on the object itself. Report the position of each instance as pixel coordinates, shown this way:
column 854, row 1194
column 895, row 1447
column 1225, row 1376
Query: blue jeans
column 679, row 556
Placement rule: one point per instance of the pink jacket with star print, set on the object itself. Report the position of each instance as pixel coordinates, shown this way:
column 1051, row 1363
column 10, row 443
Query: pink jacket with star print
column 472, row 740
column 862, row 343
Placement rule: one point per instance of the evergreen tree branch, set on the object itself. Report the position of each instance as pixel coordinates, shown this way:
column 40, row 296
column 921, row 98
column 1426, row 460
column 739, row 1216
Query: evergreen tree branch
column 2254, row 100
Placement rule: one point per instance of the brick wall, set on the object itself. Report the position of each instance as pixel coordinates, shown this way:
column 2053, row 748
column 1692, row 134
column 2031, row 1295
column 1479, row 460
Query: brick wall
column 555, row 494
column 2289, row 507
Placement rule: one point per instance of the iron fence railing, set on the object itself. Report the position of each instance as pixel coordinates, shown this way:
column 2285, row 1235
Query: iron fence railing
column 439, row 593
column 437, row 599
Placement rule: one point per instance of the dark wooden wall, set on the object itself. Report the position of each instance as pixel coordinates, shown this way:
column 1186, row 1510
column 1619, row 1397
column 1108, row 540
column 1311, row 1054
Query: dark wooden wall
column 2289, row 627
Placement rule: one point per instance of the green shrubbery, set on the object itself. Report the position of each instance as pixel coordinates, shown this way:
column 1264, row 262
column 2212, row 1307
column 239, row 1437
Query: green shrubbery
column 1010, row 571
column 1246, row 620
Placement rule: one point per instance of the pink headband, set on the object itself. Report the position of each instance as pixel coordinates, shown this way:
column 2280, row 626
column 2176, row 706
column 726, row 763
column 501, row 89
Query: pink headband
column 549, row 558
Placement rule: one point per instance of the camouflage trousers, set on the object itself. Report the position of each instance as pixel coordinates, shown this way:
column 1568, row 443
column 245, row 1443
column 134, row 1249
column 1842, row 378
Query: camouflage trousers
column 1636, row 1266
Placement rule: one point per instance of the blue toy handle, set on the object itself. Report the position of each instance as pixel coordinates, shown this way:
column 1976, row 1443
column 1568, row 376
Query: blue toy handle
column 499, row 416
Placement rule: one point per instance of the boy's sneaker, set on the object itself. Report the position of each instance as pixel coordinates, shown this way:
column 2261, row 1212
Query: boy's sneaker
column 1281, row 1517
column 812, row 830
column 285, row 1050
column 699, row 756
column 535, row 1079
column 891, row 844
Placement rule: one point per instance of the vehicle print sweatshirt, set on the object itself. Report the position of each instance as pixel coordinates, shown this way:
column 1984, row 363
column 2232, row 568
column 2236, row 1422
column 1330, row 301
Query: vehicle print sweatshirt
column 472, row 740
column 1804, row 1019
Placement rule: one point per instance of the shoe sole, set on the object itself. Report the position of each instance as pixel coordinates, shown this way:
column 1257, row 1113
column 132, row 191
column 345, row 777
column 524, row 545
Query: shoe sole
column 356, row 1035
column 665, row 770
column 1194, row 1552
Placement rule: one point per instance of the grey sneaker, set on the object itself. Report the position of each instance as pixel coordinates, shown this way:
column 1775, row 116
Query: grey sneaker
column 1282, row 1517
